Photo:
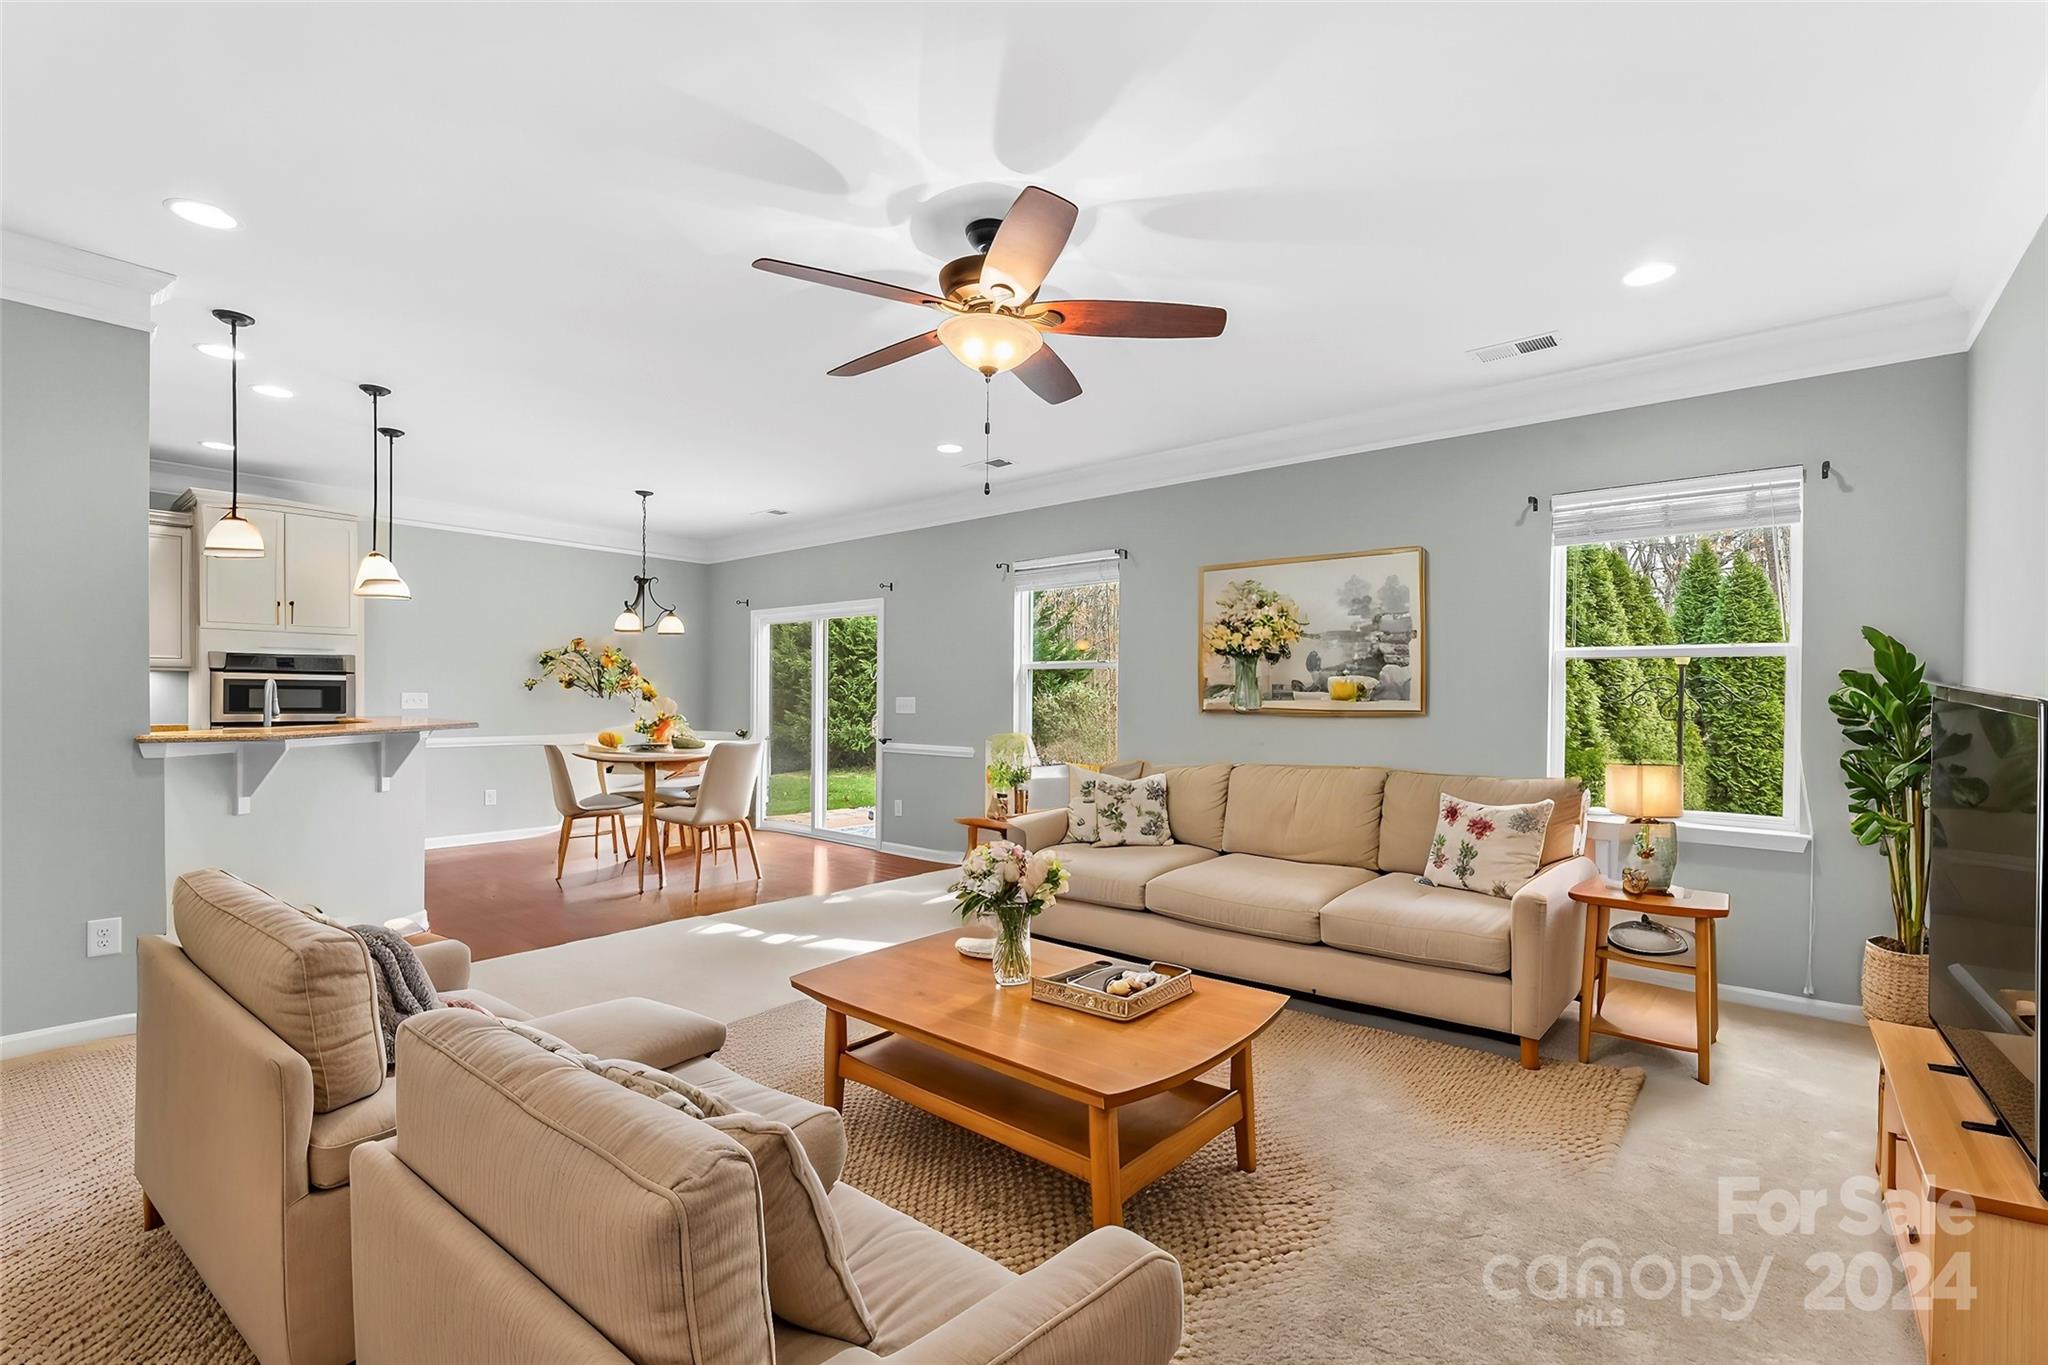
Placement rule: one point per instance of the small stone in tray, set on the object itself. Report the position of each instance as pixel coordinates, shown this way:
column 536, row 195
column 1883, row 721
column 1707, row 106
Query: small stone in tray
column 1130, row 983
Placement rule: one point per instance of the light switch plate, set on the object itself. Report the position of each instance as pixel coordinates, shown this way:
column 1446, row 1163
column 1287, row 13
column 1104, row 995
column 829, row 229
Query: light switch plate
column 412, row 701
column 102, row 936
column 898, row 809
column 906, row 706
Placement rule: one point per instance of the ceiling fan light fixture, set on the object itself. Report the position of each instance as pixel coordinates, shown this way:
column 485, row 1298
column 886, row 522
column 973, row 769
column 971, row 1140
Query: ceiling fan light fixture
column 989, row 343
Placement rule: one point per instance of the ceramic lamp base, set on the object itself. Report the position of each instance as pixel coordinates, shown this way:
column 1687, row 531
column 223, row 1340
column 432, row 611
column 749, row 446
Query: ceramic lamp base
column 1650, row 857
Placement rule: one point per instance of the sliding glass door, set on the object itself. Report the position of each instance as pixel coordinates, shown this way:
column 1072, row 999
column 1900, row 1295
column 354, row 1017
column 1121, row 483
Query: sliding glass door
column 817, row 684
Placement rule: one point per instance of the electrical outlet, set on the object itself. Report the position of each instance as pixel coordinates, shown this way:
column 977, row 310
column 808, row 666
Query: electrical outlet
column 412, row 701
column 490, row 796
column 906, row 706
column 897, row 809
column 102, row 936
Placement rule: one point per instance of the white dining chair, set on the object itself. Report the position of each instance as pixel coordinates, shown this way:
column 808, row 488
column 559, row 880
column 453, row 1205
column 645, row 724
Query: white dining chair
column 725, row 800
column 603, row 808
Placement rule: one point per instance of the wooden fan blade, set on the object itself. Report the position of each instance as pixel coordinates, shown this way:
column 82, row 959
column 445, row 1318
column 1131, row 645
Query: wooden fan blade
column 1026, row 245
column 1126, row 318
column 881, row 289
column 1046, row 375
column 888, row 355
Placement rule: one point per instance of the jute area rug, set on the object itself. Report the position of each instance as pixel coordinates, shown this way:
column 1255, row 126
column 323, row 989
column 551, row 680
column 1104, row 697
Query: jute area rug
column 1390, row 1168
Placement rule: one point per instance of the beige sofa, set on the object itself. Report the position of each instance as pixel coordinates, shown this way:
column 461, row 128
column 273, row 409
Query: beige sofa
column 260, row 1068
column 531, row 1211
column 1305, row 878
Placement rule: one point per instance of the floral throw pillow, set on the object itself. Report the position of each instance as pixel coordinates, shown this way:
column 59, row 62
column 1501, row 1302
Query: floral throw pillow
column 1488, row 849
column 1131, row 811
column 1082, row 825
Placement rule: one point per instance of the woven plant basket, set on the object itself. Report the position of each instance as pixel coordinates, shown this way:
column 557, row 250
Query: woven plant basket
column 1894, row 984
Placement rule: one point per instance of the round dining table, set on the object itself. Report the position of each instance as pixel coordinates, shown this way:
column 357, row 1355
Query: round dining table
column 651, row 763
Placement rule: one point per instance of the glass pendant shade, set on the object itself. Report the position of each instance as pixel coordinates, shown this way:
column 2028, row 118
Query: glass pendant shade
column 375, row 570
column 628, row 622
column 669, row 624
column 392, row 589
column 234, row 537
column 989, row 343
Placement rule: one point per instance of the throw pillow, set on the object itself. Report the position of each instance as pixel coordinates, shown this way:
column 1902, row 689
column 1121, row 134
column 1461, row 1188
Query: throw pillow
column 809, row 1283
column 1132, row 812
column 1488, row 849
column 1082, row 825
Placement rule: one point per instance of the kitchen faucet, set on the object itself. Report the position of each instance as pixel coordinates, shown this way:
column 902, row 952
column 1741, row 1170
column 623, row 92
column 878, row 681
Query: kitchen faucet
column 269, row 701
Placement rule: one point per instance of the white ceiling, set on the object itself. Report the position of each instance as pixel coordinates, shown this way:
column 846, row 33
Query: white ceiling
column 534, row 223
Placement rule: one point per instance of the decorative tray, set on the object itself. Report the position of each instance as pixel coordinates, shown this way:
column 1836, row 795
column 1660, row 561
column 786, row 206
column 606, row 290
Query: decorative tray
column 1082, row 988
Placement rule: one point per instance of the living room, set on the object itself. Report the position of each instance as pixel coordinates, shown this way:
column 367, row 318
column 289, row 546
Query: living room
column 1536, row 583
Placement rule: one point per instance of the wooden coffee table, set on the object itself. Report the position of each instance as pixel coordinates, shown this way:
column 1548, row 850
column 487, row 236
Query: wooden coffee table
column 1115, row 1104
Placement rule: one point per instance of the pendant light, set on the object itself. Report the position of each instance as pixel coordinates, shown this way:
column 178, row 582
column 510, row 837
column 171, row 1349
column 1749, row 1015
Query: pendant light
column 375, row 576
column 388, row 586
column 631, row 621
column 234, row 536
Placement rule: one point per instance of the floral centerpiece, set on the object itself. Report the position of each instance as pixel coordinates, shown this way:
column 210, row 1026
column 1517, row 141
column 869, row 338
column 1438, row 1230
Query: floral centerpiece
column 1253, row 622
column 1009, row 884
column 656, row 718
column 605, row 672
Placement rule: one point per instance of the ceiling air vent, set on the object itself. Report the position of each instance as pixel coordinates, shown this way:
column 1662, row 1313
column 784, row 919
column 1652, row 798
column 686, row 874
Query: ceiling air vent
column 1488, row 354
column 989, row 464
column 774, row 511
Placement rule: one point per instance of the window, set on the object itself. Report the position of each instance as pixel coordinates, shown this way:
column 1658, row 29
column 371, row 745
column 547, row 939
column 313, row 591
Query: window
column 1066, row 657
column 1692, row 579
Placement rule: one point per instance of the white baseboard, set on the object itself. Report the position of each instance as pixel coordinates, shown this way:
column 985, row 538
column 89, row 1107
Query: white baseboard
column 491, row 836
column 1811, row 1006
column 65, row 1035
column 950, row 857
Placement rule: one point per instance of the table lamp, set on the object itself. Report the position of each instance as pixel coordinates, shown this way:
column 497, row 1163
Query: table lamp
column 1651, row 795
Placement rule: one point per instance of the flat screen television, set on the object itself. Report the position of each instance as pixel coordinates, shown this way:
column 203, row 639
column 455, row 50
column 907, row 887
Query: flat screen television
column 1985, row 907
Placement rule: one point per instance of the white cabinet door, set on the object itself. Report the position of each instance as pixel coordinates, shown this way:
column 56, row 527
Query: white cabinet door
column 170, row 597
column 319, row 573
column 248, row 593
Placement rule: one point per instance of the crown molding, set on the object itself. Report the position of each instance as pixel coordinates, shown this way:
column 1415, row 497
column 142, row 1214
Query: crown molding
column 64, row 279
column 168, row 474
column 2013, row 214
column 1851, row 341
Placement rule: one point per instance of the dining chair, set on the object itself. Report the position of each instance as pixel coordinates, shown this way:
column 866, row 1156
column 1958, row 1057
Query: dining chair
column 725, row 800
column 604, row 808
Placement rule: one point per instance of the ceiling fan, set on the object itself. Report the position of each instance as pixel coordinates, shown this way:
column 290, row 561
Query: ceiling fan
column 996, row 321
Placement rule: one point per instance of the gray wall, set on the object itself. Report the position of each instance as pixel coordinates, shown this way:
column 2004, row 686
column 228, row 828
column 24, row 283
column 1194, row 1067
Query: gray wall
column 1883, row 545
column 482, row 608
column 81, row 812
column 2005, row 597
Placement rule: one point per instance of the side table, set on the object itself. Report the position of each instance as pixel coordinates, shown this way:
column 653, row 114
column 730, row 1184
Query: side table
column 1635, row 1009
column 977, row 825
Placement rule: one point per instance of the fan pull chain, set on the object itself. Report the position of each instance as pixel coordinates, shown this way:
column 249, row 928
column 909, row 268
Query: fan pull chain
column 987, row 389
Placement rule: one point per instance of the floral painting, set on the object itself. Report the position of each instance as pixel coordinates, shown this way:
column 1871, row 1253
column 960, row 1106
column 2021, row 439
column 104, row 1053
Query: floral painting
column 1321, row 635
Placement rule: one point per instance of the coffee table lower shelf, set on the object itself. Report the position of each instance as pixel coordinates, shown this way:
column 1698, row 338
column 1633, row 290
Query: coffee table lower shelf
column 1118, row 1151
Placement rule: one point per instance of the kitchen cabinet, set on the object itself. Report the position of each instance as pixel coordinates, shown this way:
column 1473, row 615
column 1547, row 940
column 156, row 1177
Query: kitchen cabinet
column 319, row 573
column 170, row 590
column 303, row 583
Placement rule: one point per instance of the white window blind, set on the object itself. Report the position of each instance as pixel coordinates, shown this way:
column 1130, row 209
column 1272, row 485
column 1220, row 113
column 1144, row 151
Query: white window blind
column 1763, row 497
column 1066, row 571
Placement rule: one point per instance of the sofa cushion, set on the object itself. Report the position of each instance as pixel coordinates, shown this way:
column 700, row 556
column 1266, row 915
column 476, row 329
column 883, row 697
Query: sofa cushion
column 1270, row 897
column 1396, row 916
column 308, row 981
column 338, row 1132
column 1117, row 875
column 818, row 1127
column 1408, row 820
column 912, row 1277
column 1132, row 810
column 1304, row 814
column 1195, row 797
column 644, row 1222
column 504, row 1009
column 809, row 1282
column 650, row 1031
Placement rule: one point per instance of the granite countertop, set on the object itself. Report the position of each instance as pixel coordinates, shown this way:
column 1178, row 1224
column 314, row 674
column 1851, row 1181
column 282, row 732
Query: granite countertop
column 242, row 734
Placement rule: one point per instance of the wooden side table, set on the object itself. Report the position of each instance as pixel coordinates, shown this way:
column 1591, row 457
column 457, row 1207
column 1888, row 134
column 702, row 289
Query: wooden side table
column 977, row 825
column 1636, row 1009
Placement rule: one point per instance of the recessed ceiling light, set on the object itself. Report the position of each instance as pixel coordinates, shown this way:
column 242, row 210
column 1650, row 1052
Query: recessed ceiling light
column 1649, row 272
column 219, row 350
column 204, row 214
column 950, row 448
column 215, row 445
column 271, row 390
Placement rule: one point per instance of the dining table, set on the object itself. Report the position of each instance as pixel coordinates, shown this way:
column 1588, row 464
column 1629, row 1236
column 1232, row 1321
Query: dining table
column 652, row 763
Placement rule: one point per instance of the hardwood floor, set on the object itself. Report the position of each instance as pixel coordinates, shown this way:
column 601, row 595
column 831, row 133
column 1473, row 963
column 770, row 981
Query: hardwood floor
column 502, row 898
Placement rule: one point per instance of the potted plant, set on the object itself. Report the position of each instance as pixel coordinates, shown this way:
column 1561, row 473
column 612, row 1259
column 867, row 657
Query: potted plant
column 1885, row 717
column 1009, row 884
column 1006, row 782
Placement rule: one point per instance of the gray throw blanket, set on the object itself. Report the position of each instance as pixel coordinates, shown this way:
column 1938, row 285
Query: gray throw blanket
column 403, row 987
